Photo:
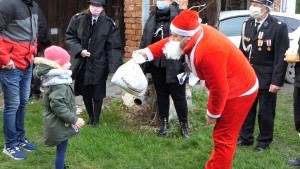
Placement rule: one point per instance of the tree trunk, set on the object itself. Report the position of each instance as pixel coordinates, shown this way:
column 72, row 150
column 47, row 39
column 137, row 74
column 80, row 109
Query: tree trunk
column 212, row 12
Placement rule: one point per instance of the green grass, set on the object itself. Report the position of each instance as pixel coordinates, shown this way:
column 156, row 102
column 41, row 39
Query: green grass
column 121, row 143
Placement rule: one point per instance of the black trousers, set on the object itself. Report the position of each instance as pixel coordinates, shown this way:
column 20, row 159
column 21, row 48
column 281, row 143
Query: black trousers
column 297, row 108
column 163, row 92
column 266, row 113
column 35, row 85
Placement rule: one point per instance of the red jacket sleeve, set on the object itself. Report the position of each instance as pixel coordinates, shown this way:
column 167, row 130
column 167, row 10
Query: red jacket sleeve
column 156, row 48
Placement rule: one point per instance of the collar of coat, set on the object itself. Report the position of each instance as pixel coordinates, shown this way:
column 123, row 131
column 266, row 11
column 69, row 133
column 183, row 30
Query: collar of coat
column 54, row 76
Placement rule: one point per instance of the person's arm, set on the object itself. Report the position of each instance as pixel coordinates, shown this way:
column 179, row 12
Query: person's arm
column 6, row 16
column 281, row 45
column 44, row 39
column 113, row 48
column 72, row 38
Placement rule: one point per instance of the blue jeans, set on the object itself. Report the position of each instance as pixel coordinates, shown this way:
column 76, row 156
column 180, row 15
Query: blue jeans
column 16, row 89
column 61, row 150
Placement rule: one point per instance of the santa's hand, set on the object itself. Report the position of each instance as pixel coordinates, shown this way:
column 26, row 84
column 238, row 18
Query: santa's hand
column 84, row 53
column 138, row 57
column 210, row 120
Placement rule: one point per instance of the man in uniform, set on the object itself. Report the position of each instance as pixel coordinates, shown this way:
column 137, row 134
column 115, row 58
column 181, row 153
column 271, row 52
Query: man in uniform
column 264, row 43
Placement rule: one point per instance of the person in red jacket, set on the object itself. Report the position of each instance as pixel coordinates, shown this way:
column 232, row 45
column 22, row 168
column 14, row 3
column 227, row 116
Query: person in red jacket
column 229, row 77
column 18, row 46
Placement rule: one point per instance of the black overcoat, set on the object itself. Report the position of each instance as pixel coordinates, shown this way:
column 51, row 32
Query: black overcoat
column 103, row 42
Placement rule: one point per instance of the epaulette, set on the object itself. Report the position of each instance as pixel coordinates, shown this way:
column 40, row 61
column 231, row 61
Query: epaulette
column 78, row 14
column 108, row 18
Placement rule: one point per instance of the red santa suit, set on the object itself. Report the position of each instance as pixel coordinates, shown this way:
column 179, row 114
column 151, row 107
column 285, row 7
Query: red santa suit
column 229, row 77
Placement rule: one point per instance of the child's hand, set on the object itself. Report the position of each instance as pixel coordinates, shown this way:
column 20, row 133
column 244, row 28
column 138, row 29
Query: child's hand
column 79, row 123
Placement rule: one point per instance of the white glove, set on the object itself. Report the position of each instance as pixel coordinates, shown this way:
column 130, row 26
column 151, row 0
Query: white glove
column 85, row 53
column 138, row 58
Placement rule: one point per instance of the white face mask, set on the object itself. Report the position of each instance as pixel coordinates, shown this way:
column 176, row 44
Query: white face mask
column 96, row 10
column 255, row 12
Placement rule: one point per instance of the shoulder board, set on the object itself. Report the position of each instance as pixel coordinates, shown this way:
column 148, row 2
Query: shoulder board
column 279, row 22
column 78, row 15
column 108, row 18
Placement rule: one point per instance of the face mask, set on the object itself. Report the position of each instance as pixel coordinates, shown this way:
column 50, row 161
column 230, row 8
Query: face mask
column 255, row 12
column 162, row 5
column 96, row 10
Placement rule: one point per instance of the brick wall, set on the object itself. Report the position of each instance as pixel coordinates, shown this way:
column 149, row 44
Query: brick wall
column 276, row 5
column 133, row 23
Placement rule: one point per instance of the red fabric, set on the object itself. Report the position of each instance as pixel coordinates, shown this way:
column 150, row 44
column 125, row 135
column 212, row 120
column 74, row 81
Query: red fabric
column 228, row 75
column 57, row 54
column 226, row 71
column 188, row 20
column 226, row 131
column 19, row 52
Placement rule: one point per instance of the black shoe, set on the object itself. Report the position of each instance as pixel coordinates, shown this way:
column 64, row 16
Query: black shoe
column 294, row 163
column 65, row 166
column 259, row 149
column 241, row 143
column 184, row 129
column 164, row 125
column 90, row 122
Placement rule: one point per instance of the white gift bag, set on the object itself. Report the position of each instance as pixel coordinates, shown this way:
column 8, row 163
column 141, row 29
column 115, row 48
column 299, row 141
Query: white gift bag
column 131, row 78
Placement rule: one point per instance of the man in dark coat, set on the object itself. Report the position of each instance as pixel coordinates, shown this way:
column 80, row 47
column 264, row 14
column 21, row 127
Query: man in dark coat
column 296, row 162
column 94, row 41
column 44, row 41
column 264, row 43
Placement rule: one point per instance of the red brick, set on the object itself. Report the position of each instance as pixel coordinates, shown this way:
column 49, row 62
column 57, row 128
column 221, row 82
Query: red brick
column 130, row 32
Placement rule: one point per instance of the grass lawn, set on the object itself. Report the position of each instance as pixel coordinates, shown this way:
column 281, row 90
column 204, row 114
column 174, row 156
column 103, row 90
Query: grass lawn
column 121, row 143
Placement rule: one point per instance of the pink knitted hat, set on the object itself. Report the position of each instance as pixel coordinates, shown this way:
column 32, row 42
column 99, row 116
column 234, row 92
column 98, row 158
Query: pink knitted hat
column 57, row 54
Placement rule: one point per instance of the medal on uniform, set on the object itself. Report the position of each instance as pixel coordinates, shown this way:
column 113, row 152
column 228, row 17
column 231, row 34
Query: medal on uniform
column 260, row 41
column 246, row 39
column 269, row 45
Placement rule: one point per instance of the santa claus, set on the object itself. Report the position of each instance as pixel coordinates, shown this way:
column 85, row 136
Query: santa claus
column 229, row 77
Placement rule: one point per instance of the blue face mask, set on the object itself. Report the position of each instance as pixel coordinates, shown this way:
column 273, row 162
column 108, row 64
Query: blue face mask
column 162, row 5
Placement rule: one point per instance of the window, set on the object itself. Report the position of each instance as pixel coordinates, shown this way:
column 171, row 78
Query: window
column 232, row 26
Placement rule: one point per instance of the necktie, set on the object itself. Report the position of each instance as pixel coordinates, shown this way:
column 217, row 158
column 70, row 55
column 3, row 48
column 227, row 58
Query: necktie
column 256, row 27
column 94, row 21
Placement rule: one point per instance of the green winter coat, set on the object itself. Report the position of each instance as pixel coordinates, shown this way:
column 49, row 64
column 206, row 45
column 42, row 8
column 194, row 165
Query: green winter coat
column 60, row 108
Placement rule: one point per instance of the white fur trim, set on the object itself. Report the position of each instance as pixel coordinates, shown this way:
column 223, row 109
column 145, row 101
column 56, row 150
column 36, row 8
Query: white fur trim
column 149, row 54
column 182, row 32
column 57, row 76
column 212, row 115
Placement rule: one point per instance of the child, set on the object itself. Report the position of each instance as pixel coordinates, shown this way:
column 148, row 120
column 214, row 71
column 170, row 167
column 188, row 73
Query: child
column 60, row 120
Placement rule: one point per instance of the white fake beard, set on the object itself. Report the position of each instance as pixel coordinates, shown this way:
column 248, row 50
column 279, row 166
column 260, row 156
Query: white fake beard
column 172, row 50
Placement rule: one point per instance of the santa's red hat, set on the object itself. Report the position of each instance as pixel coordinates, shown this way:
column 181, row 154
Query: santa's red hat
column 187, row 23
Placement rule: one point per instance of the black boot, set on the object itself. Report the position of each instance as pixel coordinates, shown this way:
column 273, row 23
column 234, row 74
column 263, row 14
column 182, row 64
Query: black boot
column 96, row 119
column 164, row 125
column 185, row 129
column 90, row 121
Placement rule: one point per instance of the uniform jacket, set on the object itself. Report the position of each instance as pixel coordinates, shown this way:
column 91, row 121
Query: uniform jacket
column 60, row 107
column 18, row 32
column 267, row 58
column 213, row 58
column 173, row 67
column 104, row 44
